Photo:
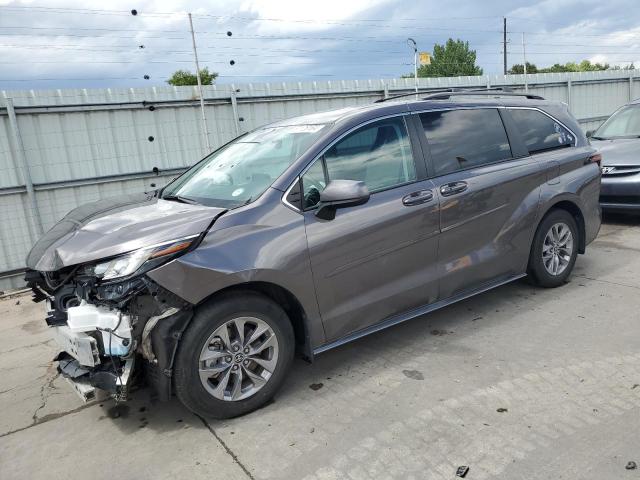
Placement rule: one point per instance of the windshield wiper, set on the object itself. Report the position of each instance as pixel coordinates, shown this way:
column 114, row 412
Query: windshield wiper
column 599, row 138
column 181, row 199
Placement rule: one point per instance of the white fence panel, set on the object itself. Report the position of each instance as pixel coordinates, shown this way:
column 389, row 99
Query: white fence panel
column 83, row 145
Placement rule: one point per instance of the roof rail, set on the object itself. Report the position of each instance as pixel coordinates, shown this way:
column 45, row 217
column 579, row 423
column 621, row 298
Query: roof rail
column 489, row 92
column 447, row 93
column 381, row 100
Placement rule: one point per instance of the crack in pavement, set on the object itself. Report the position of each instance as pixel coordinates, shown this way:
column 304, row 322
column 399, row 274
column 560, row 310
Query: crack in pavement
column 614, row 245
column 48, row 418
column 227, row 449
column 27, row 346
column 606, row 281
column 44, row 396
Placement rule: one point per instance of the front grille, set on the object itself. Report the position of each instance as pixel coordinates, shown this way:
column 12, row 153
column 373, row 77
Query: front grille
column 620, row 170
column 626, row 199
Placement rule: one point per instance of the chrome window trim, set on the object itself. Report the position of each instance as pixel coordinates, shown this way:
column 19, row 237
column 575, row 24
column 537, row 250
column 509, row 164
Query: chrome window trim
column 417, row 112
column 336, row 140
column 286, row 194
column 503, row 107
column 575, row 137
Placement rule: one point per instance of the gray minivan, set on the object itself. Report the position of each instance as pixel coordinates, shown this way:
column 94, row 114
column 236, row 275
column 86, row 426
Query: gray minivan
column 311, row 232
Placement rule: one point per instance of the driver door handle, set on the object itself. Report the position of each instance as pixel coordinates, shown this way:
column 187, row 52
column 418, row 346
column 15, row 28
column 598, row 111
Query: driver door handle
column 417, row 198
column 453, row 188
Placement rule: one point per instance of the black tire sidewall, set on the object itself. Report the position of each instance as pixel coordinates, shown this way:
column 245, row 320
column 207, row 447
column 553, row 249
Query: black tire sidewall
column 207, row 318
column 537, row 270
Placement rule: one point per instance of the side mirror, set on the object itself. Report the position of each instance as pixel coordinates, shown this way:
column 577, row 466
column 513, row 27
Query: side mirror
column 590, row 133
column 341, row 194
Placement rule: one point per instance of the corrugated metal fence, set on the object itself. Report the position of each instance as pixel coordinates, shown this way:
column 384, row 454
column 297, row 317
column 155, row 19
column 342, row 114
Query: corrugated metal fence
column 62, row 148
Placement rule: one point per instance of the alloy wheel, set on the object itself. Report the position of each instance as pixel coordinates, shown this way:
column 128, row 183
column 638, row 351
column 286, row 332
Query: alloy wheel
column 557, row 248
column 238, row 358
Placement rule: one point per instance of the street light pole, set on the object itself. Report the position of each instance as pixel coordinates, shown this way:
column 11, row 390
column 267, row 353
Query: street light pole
column 410, row 42
column 205, row 128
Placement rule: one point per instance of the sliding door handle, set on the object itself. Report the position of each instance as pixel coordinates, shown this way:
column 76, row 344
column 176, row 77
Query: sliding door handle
column 453, row 188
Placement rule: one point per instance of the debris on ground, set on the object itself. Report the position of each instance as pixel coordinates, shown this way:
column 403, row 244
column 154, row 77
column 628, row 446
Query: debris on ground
column 502, row 410
column 316, row 386
column 462, row 471
column 631, row 465
column 439, row 333
column 413, row 374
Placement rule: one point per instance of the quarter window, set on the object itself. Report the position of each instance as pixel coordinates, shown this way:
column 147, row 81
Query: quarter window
column 461, row 139
column 540, row 132
column 378, row 154
column 313, row 182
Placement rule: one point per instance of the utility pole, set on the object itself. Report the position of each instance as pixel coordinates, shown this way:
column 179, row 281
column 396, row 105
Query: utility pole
column 205, row 129
column 411, row 41
column 504, row 42
column 524, row 63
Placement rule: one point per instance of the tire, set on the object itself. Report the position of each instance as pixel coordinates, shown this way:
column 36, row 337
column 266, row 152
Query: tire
column 217, row 394
column 541, row 271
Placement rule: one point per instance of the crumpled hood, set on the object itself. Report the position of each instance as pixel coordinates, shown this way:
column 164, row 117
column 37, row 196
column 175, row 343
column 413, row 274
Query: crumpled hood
column 114, row 226
column 620, row 151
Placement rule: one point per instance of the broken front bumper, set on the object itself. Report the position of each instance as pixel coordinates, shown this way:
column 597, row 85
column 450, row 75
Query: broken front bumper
column 109, row 333
column 80, row 346
column 90, row 343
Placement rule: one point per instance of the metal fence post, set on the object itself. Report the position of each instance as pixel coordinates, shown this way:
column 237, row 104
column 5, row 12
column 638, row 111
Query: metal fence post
column 22, row 159
column 569, row 94
column 234, row 107
column 630, row 86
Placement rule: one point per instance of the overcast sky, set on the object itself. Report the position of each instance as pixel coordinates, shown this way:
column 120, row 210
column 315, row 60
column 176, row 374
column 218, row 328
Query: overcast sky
column 57, row 44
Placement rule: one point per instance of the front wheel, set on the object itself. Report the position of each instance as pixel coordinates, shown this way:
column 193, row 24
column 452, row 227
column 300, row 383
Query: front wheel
column 234, row 356
column 554, row 250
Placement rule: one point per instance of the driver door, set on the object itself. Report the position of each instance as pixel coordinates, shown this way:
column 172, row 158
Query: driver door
column 379, row 259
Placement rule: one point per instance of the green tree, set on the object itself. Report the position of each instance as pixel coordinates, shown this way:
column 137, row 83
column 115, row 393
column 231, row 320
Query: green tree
column 631, row 66
column 453, row 59
column 183, row 77
column 583, row 66
column 518, row 69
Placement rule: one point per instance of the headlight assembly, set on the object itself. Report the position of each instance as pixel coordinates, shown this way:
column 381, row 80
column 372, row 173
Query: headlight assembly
column 127, row 264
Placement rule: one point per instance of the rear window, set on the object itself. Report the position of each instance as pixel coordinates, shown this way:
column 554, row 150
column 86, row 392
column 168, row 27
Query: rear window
column 540, row 132
column 461, row 139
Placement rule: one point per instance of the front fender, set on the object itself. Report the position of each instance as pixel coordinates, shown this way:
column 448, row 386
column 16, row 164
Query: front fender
column 257, row 245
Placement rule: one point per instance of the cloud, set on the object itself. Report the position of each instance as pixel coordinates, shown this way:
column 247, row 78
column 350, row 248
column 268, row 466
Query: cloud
column 294, row 40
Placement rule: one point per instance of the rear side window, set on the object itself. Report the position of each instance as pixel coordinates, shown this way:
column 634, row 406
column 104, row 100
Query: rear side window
column 540, row 132
column 461, row 139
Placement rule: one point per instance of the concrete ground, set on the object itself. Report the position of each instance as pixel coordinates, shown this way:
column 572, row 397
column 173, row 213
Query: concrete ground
column 517, row 383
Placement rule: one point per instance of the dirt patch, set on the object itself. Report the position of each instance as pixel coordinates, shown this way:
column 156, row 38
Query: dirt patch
column 413, row 374
column 34, row 326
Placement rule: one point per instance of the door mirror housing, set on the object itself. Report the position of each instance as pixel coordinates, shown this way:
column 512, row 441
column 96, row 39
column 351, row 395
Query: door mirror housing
column 590, row 133
column 341, row 194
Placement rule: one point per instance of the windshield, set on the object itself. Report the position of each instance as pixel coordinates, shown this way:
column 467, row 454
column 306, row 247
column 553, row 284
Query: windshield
column 241, row 171
column 624, row 123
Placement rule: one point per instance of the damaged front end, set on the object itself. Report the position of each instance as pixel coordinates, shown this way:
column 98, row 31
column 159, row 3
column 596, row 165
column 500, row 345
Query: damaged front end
column 112, row 322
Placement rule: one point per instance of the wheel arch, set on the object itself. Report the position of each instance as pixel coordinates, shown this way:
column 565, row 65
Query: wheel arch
column 285, row 299
column 576, row 212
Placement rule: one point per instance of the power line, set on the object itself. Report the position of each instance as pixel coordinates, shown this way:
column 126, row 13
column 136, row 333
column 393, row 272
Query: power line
column 209, row 15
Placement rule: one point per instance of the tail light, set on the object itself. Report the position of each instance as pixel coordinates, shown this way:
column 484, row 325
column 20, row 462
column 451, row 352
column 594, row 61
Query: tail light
column 596, row 158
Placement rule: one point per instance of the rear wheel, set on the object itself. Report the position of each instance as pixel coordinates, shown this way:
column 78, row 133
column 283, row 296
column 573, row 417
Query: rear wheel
column 554, row 250
column 234, row 356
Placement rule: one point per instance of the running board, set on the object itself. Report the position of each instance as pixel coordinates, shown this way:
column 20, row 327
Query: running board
column 396, row 319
